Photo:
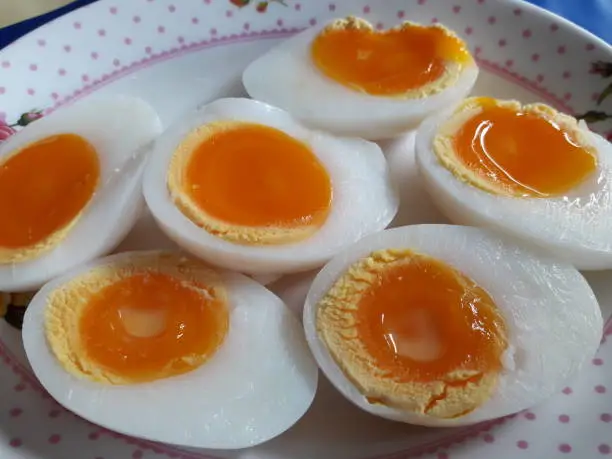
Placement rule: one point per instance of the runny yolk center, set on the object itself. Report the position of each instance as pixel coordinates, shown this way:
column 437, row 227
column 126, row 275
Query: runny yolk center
column 388, row 63
column 424, row 321
column 522, row 152
column 152, row 325
column 44, row 186
column 258, row 176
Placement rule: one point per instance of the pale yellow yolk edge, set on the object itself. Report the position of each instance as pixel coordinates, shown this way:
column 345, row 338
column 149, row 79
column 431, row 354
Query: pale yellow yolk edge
column 453, row 68
column 444, row 150
column 49, row 166
column 67, row 304
column 241, row 234
column 457, row 393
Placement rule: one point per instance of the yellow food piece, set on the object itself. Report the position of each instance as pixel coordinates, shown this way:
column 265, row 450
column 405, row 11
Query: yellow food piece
column 409, row 61
column 413, row 333
column 143, row 319
column 249, row 184
column 44, row 188
column 517, row 151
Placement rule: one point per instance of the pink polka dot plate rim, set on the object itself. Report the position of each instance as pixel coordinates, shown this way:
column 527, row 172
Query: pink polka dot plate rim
column 179, row 54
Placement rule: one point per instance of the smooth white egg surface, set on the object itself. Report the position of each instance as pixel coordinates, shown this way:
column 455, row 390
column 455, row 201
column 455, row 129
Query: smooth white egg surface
column 571, row 220
column 349, row 190
column 117, row 149
column 287, row 77
column 444, row 325
column 252, row 380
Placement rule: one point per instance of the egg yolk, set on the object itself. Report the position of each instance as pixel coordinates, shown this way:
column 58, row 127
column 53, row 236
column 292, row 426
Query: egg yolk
column 424, row 321
column 44, row 187
column 151, row 325
column 387, row 63
column 522, row 152
column 254, row 175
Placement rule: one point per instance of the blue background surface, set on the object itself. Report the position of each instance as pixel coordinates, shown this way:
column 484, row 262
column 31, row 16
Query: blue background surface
column 593, row 15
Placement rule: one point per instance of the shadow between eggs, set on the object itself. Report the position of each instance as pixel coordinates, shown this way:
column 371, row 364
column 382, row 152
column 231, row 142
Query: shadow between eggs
column 416, row 207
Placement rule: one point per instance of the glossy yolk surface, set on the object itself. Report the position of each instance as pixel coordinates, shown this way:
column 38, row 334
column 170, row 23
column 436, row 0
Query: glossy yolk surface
column 151, row 325
column 423, row 321
column 386, row 63
column 44, row 187
column 255, row 175
column 521, row 151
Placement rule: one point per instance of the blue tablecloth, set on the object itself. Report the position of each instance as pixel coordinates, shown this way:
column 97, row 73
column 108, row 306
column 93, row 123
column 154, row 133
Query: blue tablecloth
column 593, row 15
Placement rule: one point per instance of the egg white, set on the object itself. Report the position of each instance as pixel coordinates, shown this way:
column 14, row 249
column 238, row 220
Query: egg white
column 364, row 199
column 121, row 129
column 553, row 318
column 259, row 382
column 292, row 289
column 287, row 78
column 576, row 228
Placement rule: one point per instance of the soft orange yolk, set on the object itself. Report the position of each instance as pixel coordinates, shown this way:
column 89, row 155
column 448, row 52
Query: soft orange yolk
column 526, row 154
column 255, row 175
column 44, row 187
column 423, row 321
column 387, row 63
column 149, row 326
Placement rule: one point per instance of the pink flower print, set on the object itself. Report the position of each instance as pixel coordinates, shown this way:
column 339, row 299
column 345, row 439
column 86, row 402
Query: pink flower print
column 28, row 117
column 5, row 131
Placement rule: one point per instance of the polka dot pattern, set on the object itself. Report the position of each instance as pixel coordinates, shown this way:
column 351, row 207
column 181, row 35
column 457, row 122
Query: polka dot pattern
column 55, row 439
column 111, row 54
column 15, row 442
column 600, row 389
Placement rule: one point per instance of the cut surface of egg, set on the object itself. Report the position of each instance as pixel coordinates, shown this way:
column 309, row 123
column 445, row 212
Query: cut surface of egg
column 44, row 186
column 160, row 346
column 247, row 187
column 70, row 187
column 129, row 324
column 348, row 78
column 409, row 60
column 443, row 325
column 529, row 171
column 249, row 183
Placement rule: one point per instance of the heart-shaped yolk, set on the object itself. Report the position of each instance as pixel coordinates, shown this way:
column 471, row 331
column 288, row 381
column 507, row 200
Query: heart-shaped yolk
column 521, row 151
column 44, row 187
column 386, row 63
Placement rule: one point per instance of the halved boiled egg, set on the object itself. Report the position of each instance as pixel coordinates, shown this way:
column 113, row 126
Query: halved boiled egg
column 245, row 186
column 70, row 187
column 528, row 171
column 160, row 346
column 348, row 78
column 444, row 325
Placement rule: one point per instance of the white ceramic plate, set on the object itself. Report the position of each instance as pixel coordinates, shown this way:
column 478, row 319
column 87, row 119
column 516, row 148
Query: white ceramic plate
column 179, row 54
